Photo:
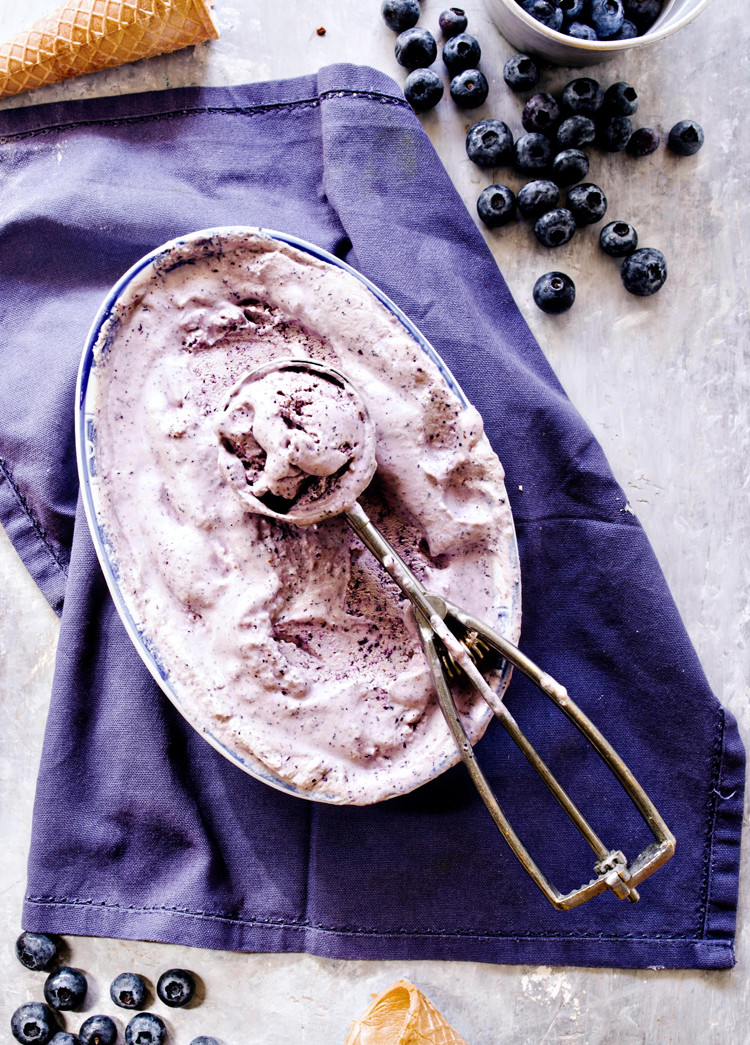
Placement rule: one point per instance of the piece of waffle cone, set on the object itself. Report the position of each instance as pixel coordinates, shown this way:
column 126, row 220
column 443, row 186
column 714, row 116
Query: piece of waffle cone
column 401, row 1015
column 83, row 36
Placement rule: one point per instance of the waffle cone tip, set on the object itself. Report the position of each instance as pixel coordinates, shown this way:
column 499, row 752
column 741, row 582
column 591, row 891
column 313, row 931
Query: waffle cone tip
column 84, row 36
column 402, row 1015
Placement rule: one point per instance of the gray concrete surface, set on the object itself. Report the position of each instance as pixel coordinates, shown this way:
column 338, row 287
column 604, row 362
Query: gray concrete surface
column 663, row 383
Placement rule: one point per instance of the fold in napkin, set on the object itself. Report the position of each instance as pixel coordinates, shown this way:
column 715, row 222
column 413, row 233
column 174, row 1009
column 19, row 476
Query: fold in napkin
column 141, row 829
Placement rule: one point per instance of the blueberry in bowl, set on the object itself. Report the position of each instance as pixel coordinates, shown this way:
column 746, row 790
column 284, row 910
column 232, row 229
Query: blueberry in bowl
column 581, row 31
column 545, row 11
column 606, row 17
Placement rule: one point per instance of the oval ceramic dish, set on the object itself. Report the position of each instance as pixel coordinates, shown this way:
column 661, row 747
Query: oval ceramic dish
column 103, row 330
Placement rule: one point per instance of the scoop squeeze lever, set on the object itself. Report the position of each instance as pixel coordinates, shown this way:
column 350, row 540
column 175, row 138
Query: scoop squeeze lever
column 453, row 641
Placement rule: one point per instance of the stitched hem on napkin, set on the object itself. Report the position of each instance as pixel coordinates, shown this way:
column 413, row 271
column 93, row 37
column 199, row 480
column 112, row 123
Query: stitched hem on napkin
column 712, row 947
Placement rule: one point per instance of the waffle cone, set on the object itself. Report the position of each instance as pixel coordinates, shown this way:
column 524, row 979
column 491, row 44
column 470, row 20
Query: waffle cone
column 83, row 36
column 401, row 1015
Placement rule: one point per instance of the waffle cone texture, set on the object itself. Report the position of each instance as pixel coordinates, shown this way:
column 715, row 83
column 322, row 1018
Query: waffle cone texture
column 401, row 1015
column 83, row 36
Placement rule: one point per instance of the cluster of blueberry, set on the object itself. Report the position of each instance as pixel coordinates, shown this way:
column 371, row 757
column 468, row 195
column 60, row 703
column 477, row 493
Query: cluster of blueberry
column 416, row 50
column 595, row 19
column 36, row 1023
column 552, row 153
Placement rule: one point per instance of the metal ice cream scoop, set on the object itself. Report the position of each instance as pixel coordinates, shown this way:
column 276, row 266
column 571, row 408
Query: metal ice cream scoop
column 297, row 444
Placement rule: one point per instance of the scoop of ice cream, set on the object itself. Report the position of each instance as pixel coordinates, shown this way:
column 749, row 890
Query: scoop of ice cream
column 296, row 441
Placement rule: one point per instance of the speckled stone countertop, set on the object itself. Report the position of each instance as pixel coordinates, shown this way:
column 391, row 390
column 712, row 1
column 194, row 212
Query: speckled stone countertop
column 664, row 385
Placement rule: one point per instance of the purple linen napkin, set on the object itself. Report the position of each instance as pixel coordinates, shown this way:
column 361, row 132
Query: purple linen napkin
column 141, row 829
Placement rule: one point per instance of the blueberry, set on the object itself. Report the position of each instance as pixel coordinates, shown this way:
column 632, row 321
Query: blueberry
column 627, row 31
column 554, row 292
column 452, row 22
column 537, row 197
column 581, row 31
column 613, row 133
column 533, row 152
column 63, row 1037
column 416, row 48
column 643, row 142
column 496, row 206
column 582, row 97
column 618, row 239
column 520, row 72
column 400, row 14
column 469, row 89
column 571, row 9
column 145, row 1029
column 642, row 13
column 606, row 17
column 644, row 271
column 685, row 138
column 541, row 113
column 176, row 987
column 423, row 89
column 621, row 98
column 570, row 166
column 33, row 1023
column 555, row 228
column 128, row 990
column 461, row 52
column 587, row 203
column 203, row 1040
column 98, row 1030
column 36, row 951
column 489, row 143
column 575, row 131
column 545, row 11
column 65, row 988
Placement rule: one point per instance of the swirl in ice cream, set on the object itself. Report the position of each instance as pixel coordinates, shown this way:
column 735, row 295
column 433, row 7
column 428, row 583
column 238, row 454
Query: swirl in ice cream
column 289, row 646
column 296, row 441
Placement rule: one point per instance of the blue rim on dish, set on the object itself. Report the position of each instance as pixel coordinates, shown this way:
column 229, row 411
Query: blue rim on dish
column 85, row 437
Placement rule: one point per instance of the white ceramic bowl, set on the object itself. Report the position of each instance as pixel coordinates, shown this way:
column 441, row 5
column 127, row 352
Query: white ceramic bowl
column 531, row 37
